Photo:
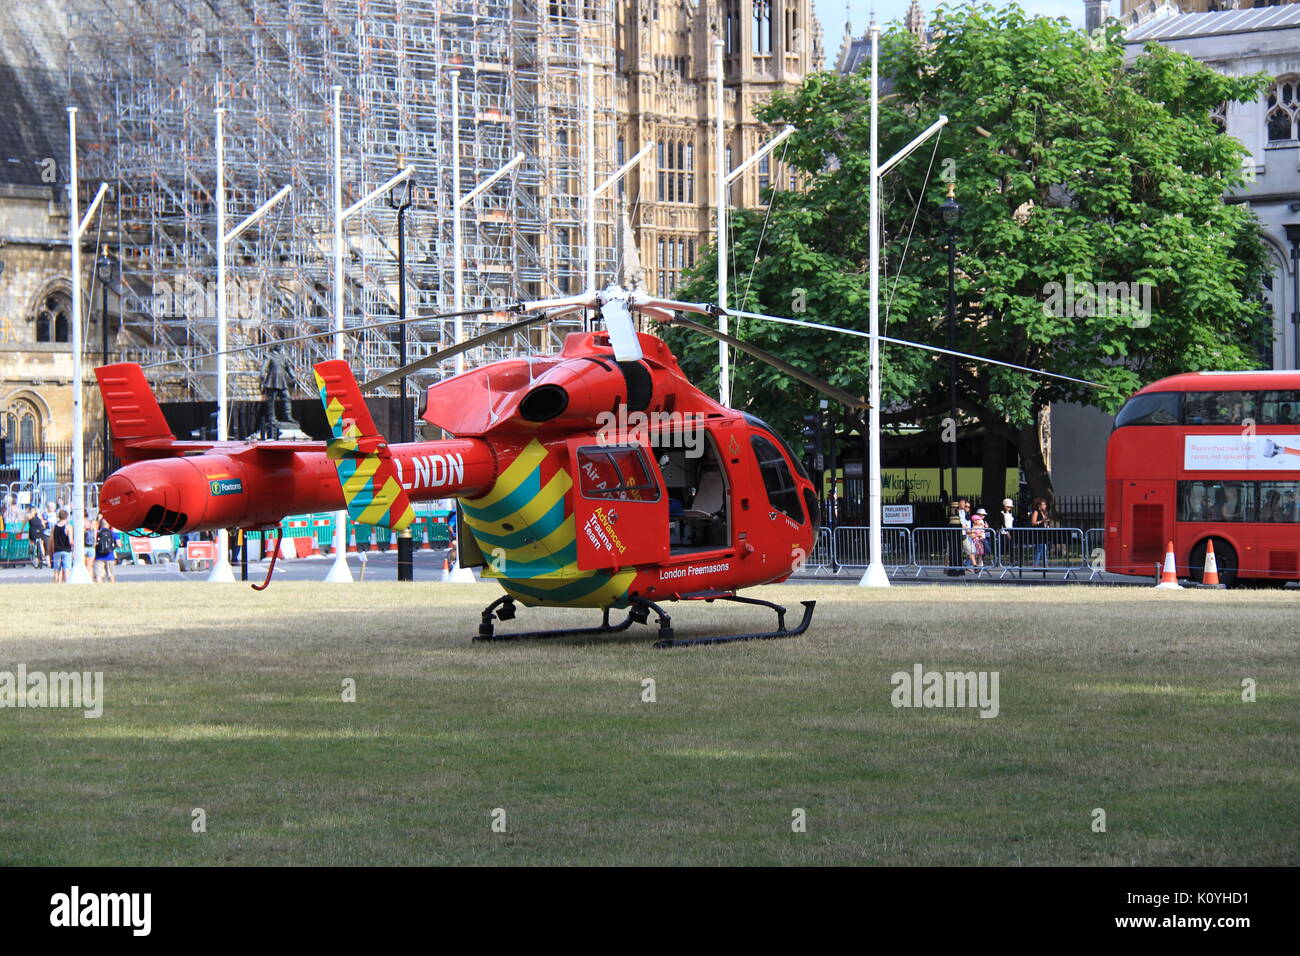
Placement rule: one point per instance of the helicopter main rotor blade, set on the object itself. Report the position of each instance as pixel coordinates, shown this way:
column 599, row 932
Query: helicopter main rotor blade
column 465, row 346
column 648, row 304
column 823, row 386
column 915, row 345
column 569, row 303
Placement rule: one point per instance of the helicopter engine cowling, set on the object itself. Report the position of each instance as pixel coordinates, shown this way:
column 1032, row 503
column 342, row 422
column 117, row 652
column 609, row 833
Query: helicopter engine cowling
column 576, row 391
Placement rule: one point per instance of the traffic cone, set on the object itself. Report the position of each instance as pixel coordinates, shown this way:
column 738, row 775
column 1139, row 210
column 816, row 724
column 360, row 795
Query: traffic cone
column 1210, row 577
column 1169, row 576
column 446, row 571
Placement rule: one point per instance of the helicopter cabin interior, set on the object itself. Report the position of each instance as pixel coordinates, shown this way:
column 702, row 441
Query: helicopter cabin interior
column 693, row 503
column 698, row 506
column 699, row 494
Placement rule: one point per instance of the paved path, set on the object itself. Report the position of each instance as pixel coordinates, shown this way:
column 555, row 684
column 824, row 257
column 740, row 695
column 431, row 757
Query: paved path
column 382, row 566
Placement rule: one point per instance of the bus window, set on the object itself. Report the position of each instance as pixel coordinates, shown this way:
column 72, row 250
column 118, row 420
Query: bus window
column 1230, row 501
column 1219, row 408
column 1278, row 501
column 1150, row 408
column 1280, row 408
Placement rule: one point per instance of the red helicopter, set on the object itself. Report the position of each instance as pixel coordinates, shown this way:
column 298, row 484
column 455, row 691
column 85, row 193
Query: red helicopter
column 599, row 477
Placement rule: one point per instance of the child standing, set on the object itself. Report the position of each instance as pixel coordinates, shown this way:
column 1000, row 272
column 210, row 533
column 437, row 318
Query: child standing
column 979, row 537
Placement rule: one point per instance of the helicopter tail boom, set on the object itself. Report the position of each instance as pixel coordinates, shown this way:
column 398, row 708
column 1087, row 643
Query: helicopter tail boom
column 172, row 487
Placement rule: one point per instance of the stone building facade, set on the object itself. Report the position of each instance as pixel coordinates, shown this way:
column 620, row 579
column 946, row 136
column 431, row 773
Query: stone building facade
column 666, row 75
column 1243, row 43
column 35, row 264
column 663, row 92
column 1128, row 8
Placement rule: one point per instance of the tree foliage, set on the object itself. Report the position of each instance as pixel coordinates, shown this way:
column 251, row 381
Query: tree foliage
column 1070, row 165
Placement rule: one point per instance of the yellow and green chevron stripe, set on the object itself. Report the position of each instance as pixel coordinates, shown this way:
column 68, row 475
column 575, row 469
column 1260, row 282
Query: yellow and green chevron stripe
column 525, row 528
column 371, row 490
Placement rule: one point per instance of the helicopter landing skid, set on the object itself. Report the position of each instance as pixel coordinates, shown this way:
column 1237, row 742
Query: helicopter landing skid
column 781, row 630
column 504, row 609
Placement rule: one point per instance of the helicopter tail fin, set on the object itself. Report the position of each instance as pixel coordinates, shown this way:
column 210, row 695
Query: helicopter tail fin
column 133, row 412
column 371, row 490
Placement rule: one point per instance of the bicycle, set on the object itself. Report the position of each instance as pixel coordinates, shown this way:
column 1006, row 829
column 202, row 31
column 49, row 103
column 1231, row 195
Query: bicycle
column 36, row 552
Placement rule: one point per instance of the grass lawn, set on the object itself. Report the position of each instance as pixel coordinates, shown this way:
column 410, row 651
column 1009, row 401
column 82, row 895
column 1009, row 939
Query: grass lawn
column 218, row 698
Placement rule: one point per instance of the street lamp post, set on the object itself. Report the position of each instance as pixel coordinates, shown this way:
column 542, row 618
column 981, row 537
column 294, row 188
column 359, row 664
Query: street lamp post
column 951, row 217
column 105, row 267
column 399, row 198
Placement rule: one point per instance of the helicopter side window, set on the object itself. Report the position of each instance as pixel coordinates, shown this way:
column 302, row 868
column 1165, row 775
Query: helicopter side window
column 777, row 478
column 621, row 473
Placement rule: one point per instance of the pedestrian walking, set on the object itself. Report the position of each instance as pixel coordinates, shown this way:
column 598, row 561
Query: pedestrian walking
column 105, row 553
column 38, row 536
column 88, row 554
column 1040, row 518
column 61, row 548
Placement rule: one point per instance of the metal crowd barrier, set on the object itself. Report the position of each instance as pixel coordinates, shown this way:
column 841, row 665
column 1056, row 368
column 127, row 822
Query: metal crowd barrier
column 1043, row 550
column 984, row 552
column 822, row 558
column 852, row 547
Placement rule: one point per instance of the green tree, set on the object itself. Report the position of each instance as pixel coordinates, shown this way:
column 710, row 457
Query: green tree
column 1072, row 167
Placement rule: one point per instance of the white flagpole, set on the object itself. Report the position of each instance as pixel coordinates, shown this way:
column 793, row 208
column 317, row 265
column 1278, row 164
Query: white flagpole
column 720, row 201
column 339, row 573
column 875, row 575
column 78, row 573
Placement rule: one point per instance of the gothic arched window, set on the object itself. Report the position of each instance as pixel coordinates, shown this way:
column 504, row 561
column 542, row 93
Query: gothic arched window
column 53, row 322
column 676, row 179
column 762, row 38
column 23, row 425
column 1283, row 103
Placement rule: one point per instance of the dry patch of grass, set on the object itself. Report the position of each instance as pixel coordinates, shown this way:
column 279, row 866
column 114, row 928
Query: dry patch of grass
column 220, row 698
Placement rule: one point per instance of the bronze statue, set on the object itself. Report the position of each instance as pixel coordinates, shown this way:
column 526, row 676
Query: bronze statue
column 275, row 382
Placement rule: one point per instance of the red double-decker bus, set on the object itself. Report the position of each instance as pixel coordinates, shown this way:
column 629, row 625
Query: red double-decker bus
column 1208, row 456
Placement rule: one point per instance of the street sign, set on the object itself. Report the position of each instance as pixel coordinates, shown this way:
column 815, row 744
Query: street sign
column 896, row 514
column 200, row 551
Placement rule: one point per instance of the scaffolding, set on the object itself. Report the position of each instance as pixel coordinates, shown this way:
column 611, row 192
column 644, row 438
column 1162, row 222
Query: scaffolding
column 156, row 70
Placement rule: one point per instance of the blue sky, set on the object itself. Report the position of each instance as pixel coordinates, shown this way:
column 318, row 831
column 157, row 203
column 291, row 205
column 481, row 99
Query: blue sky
column 832, row 14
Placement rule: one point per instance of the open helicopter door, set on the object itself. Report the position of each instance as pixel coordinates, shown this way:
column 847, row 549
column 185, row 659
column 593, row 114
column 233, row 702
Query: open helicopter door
column 620, row 507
